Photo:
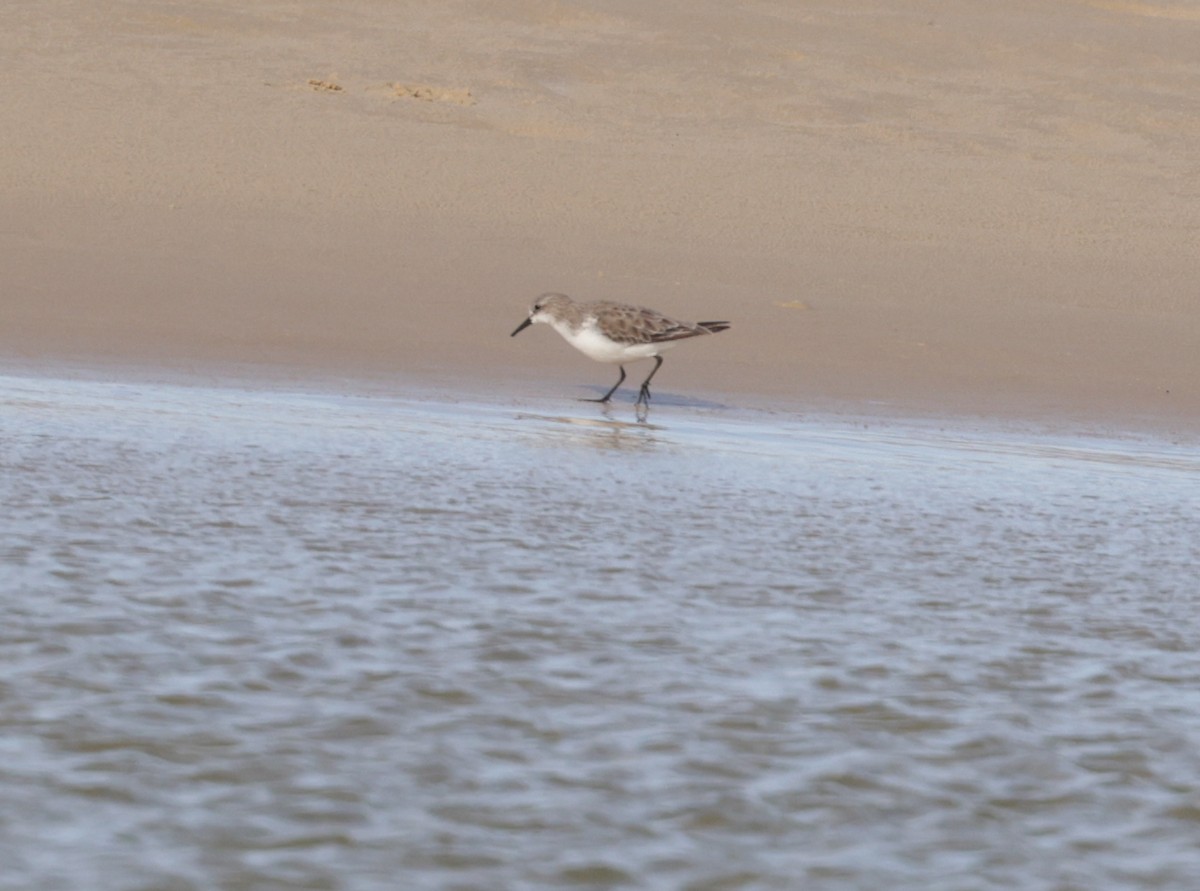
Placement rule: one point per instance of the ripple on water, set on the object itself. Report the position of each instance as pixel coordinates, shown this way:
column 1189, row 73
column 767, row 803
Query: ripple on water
column 272, row 639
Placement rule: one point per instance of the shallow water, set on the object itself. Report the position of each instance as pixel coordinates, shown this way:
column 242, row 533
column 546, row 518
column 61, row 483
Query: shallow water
column 260, row 638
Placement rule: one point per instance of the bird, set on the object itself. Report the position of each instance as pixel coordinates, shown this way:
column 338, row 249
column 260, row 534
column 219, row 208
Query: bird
column 615, row 333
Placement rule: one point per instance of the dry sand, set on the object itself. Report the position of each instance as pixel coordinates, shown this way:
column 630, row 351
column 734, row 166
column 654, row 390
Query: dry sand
column 986, row 207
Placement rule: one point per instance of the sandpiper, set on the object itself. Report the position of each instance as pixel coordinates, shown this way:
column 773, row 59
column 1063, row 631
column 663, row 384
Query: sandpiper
column 615, row 332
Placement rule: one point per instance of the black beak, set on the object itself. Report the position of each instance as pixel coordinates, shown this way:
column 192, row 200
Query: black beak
column 525, row 324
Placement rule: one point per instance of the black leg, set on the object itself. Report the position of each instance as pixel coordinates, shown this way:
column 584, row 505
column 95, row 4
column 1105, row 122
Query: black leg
column 607, row 396
column 644, row 395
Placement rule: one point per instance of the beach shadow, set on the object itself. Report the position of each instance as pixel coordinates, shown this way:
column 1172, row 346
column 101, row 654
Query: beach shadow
column 657, row 399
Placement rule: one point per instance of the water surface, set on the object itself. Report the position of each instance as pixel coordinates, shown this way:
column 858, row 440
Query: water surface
column 255, row 637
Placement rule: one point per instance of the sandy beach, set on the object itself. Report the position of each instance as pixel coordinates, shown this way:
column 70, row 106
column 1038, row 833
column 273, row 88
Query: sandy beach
column 990, row 208
column 315, row 578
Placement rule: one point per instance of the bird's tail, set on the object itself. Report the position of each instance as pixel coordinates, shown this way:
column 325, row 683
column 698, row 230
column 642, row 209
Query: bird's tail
column 713, row 327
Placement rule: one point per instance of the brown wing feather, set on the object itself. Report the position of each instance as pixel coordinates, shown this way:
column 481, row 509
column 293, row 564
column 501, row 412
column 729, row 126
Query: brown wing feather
column 635, row 324
column 677, row 331
column 681, row 330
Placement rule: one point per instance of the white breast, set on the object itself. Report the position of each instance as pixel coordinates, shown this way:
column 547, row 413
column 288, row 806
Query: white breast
column 589, row 341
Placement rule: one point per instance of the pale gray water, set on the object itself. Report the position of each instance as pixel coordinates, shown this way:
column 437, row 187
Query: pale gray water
column 264, row 639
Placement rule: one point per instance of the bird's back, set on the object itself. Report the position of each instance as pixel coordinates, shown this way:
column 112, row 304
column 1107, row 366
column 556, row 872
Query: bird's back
column 629, row 324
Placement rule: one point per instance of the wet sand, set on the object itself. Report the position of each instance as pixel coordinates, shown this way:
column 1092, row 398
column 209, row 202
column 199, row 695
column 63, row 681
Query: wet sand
column 951, row 205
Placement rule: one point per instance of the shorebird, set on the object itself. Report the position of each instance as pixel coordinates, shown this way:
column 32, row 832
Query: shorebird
column 615, row 333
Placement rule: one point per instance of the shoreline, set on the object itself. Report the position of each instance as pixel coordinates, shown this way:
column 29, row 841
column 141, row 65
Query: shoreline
column 518, row 388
